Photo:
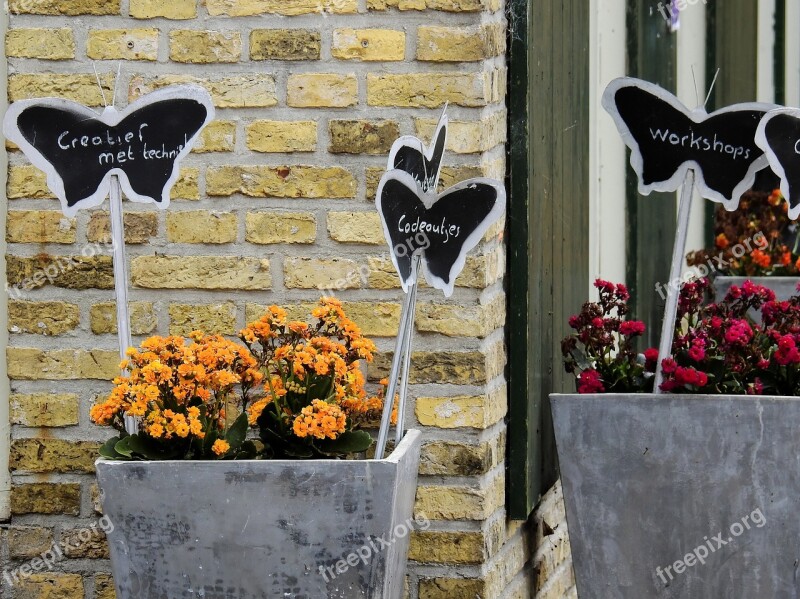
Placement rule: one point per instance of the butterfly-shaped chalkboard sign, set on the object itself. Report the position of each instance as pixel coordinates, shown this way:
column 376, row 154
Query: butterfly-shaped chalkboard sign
column 779, row 136
column 81, row 150
column 666, row 139
column 441, row 228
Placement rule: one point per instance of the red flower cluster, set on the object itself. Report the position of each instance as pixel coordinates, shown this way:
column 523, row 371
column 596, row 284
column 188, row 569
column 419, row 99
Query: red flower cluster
column 718, row 348
column 600, row 352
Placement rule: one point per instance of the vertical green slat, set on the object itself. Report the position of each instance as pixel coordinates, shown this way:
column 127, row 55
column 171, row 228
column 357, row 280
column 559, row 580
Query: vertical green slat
column 524, row 461
column 779, row 53
column 652, row 55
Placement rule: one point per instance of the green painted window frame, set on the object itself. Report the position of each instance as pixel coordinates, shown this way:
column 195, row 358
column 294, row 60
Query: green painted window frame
column 548, row 226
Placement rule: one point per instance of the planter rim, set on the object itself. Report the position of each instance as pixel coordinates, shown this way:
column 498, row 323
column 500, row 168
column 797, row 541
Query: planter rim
column 409, row 440
column 704, row 397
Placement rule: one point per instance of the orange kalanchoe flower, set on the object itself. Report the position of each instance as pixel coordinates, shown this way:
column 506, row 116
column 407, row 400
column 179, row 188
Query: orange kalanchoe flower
column 220, row 447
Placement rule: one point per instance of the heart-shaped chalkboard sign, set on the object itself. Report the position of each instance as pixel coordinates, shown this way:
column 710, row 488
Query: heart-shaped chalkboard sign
column 80, row 150
column 409, row 154
column 666, row 139
column 442, row 228
column 779, row 136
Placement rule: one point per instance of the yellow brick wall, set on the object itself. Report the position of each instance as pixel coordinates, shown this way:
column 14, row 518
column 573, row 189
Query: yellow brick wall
column 274, row 204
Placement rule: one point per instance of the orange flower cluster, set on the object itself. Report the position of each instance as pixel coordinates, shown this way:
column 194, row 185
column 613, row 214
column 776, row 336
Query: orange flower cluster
column 178, row 390
column 320, row 420
column 312, row 363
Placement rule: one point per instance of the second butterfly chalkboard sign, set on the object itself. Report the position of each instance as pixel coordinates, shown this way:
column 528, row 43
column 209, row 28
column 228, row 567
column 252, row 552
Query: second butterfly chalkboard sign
column 667, row 139
column 80, row 150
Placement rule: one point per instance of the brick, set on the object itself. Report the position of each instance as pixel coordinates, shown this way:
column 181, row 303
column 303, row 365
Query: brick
column 469, row 137
column 42, row 318
column 104, row 587
column 123, row 44
column 203, row 47
column 52, row 455
column 51, row 586
column 27, row 181
column 174, row 9
column 369, row 44
column 82, row 89
column 375, row 319
column 46, row 498
column 429, row 90
column 456, row 458
column 44, row 409
column 282, row 136
column 85, row 543
column 319, row 273
column 460, row 44
column 187, row 187
column 26, row 542
column 478, row 412
column 245, row 8
column 467, row 368
column 96, row 498
column 285, row 44
column 362, row 137
column 201, row 226
column 69, row 272
column 479, row 272
column 445, row 5
column 253, row 90
column 61, row 364
column 452, row 588
column 280, row 227
column 322, row 90
column 201, row 272
column 450, row 175
column 281, row 181
column 39, row 226
column 103, row 318
column 218, row 136
column 140, row 227
column 445, row 547
column 462, row 321
column 460, row 503
column 64, row 7
column 44, row 44
column 217, row 318
column 356, row 227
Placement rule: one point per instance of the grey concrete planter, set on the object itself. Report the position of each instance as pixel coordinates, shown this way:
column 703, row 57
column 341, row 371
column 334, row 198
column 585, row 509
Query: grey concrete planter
column 784, row 287
column 259, row 528
column 659, row 481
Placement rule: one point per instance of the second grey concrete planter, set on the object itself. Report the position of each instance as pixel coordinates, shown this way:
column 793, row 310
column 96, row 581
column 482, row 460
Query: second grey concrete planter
column 306, row 529
column 681, row 496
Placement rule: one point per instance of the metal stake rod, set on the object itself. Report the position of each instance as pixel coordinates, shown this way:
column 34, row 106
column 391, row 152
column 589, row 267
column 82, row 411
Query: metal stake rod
column 401, row 406
column 678, row 252
column 121, row 280
column 406, row 321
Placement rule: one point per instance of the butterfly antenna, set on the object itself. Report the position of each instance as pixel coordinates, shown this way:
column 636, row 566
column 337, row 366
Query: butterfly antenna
column 116, row 82
column 711, row 89
column 102, row 91
column 696, row 90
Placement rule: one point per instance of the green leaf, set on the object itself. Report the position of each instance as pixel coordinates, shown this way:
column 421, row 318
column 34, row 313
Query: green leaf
column 107, row 450
column 123, row 448
column 346, row 443
column 238, row 431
